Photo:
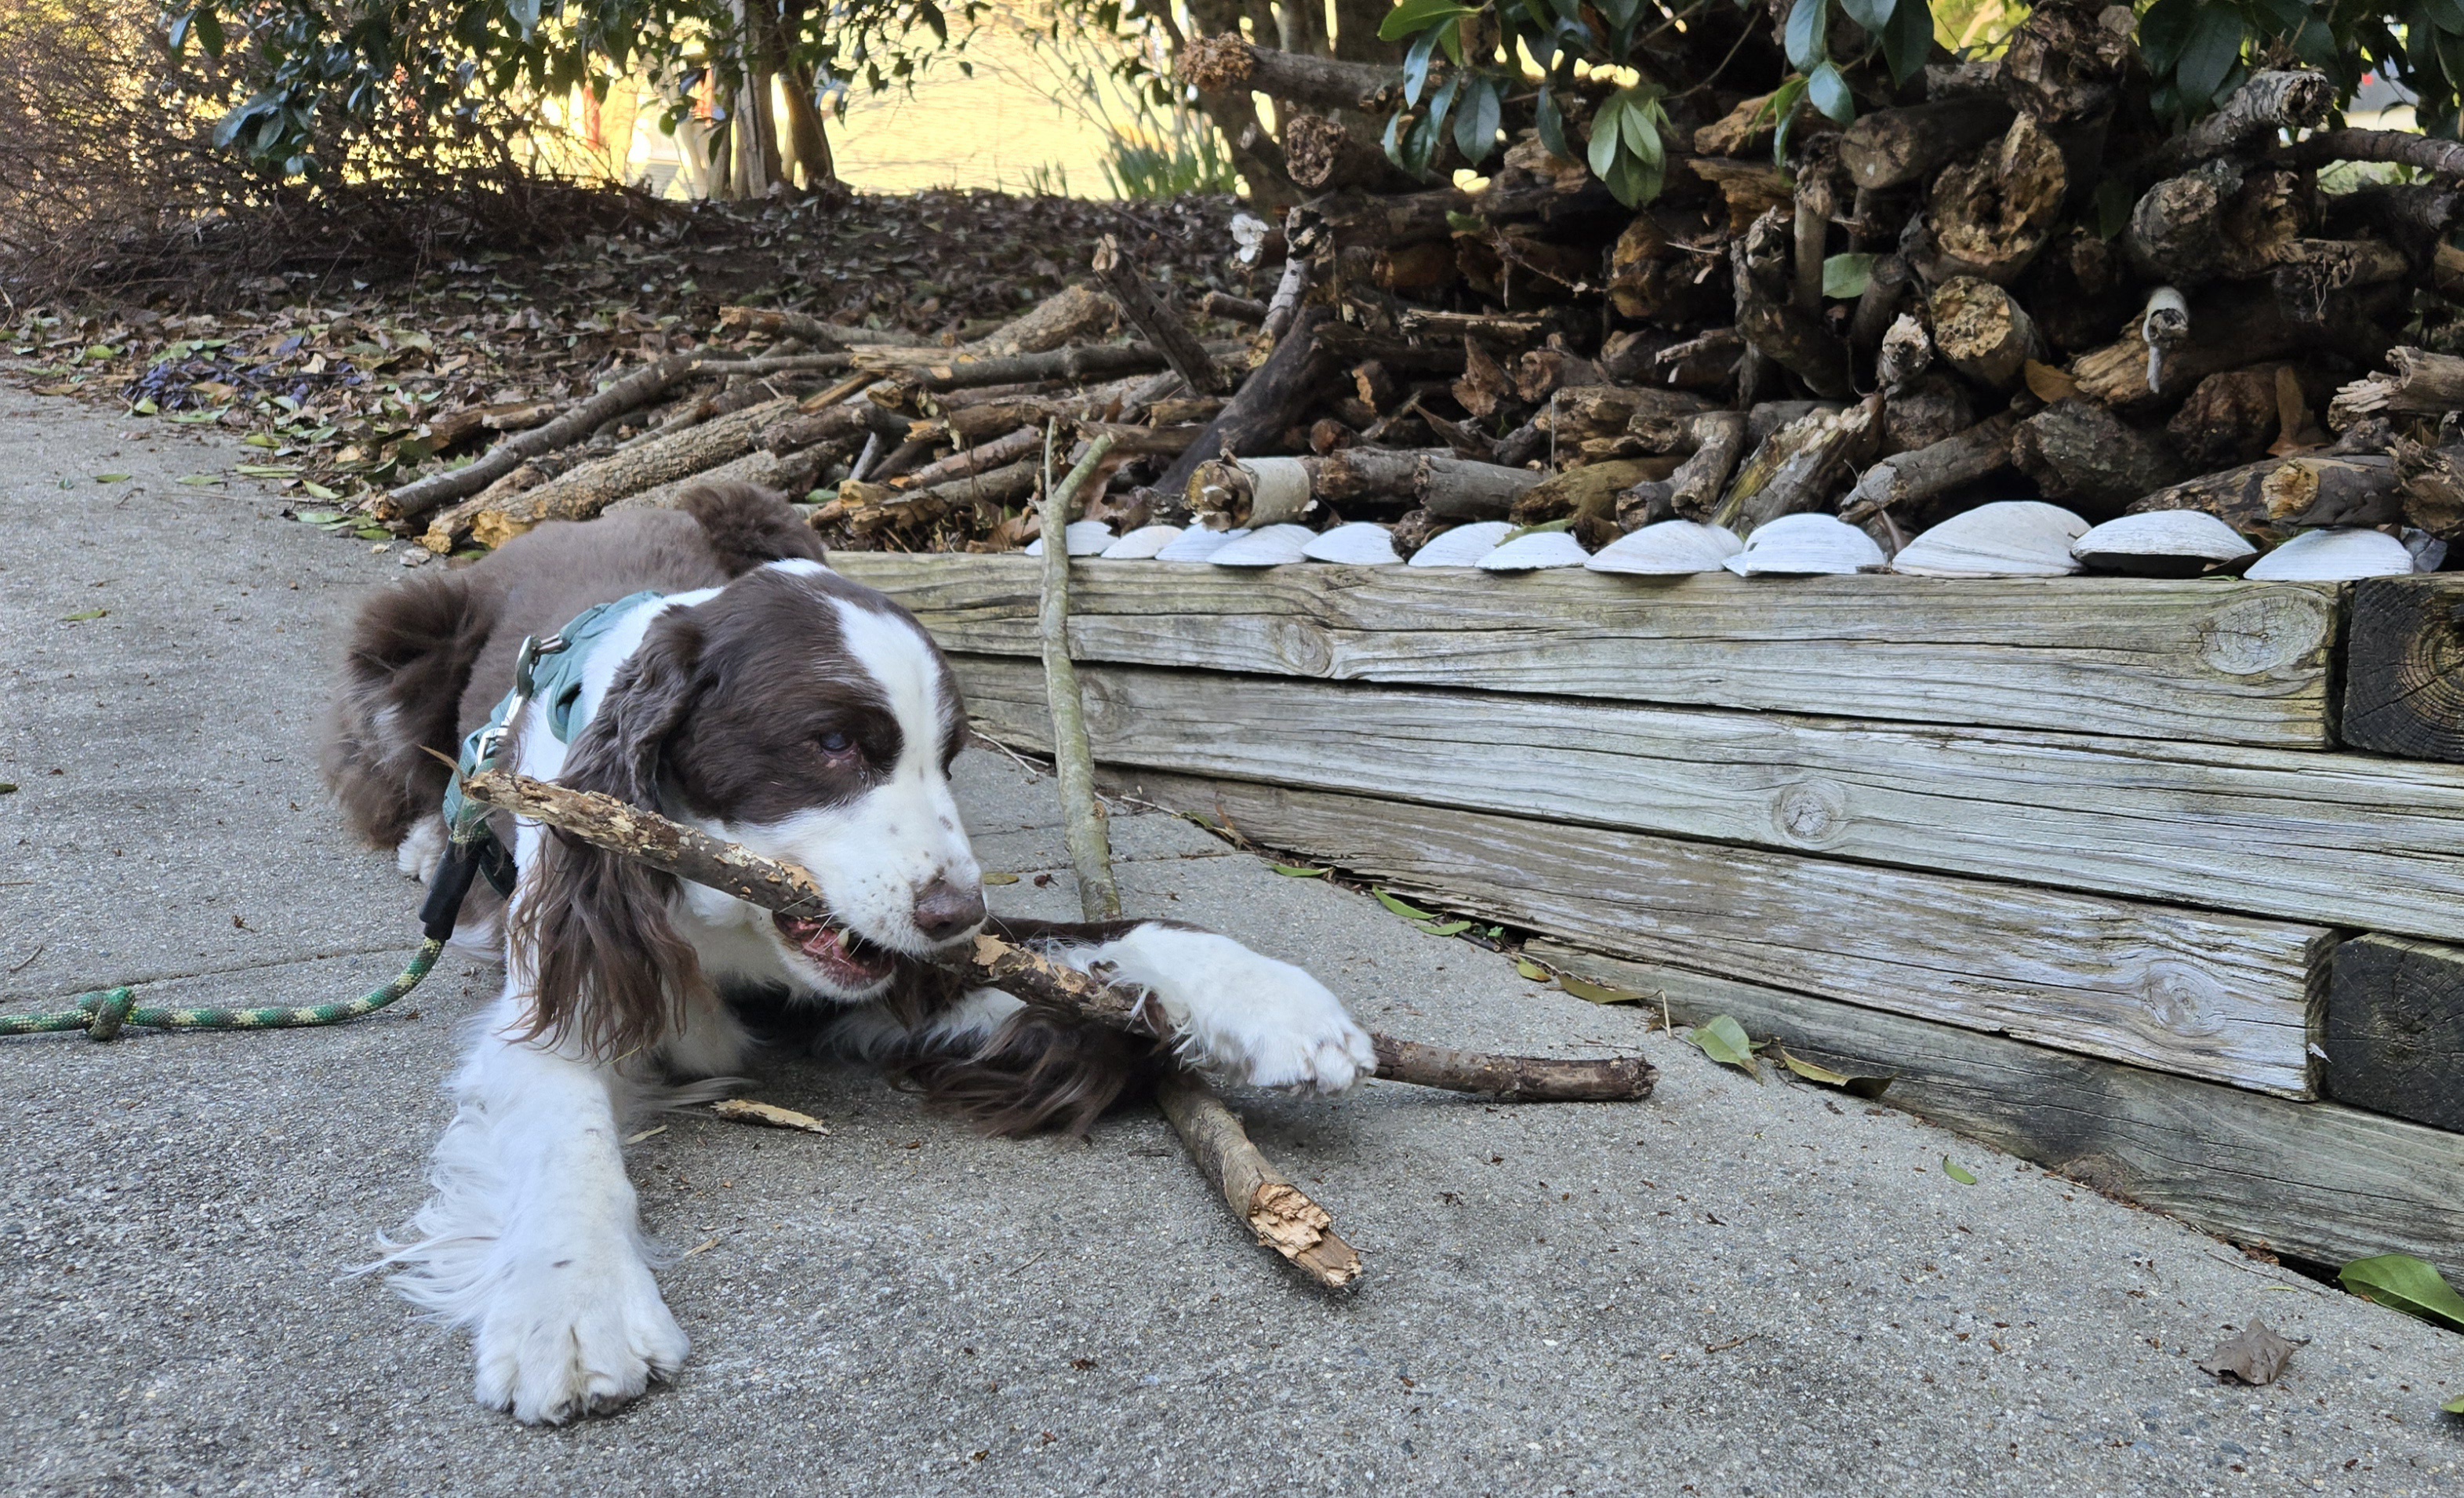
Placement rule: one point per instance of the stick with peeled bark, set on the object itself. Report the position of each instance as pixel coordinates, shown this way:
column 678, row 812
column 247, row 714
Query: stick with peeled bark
column 1091, row 849
column 692, row 854
column 1279, row 1213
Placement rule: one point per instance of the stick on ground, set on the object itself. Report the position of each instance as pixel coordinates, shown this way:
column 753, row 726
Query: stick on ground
column 1279, row 1213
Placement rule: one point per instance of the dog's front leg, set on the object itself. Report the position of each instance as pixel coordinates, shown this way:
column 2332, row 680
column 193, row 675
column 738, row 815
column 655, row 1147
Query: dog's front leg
column 532, row 1242
column 1242, row 1014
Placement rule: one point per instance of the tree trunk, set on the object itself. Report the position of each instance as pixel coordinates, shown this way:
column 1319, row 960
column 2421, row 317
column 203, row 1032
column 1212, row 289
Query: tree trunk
column 809, row 141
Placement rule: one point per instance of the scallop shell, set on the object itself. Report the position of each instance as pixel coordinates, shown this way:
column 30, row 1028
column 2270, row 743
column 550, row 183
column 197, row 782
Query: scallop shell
column 1359, row 544
column 1269, row 546
column 1083, row 538
column 1805, row 544
column 2008, row 539
column 2333, row 556
column 1142, row 544
column 1534, row 552
column 1670, row 548
column 1197, row 543
column 2162, row 543
column 1462, row 547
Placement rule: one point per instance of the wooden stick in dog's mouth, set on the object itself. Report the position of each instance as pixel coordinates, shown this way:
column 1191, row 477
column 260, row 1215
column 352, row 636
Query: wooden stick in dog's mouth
column 732, row 868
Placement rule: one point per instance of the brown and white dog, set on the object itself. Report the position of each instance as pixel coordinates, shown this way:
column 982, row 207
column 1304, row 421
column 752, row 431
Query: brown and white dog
column 766, row 699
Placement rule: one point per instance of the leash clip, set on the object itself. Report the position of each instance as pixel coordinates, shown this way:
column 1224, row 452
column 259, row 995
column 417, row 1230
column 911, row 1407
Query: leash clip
column 525, row 682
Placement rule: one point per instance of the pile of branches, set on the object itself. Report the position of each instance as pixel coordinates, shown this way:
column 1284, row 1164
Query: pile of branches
column 340, row 386
column 2008, row 286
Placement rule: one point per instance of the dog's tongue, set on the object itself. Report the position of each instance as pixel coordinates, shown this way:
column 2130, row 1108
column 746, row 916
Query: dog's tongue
column 821, row 941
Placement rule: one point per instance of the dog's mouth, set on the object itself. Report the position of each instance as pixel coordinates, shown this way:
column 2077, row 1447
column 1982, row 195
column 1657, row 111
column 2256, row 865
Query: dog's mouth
column 847, row 959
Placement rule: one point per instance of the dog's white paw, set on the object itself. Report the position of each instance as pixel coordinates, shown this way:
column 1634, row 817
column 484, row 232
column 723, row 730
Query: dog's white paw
column 421, row 850
column 575, row 1336
column 1247, row 1017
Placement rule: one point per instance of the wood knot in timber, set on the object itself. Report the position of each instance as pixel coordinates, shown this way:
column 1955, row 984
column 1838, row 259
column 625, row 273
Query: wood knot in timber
column 2181, row 1001
column 2252, row 636
column 1301, row 647
column 1811, row 813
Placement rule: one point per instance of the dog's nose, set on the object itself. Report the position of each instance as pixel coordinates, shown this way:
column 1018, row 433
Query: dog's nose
column 943, row 910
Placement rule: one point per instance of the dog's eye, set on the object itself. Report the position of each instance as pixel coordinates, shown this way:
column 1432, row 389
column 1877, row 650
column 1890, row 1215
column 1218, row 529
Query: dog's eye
column 837, row 743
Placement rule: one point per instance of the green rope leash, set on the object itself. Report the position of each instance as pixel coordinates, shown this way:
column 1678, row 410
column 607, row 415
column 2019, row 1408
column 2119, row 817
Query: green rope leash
column 102, row 1014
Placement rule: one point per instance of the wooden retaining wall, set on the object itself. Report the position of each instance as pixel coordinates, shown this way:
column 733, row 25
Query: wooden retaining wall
column 2139, row 879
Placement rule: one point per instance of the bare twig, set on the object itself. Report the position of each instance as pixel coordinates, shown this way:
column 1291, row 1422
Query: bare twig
column 1090, row 851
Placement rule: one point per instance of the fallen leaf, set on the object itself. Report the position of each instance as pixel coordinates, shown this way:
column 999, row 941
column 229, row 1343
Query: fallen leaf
column 1000, row 878
column 1957, row 1172
column 740, row 1110
column 1723, row 1040
column 316, row 516
column 266, row 470
column 1403, row 908
column 112, row 479
column 1444, row 928
column 8, row 788
column 1294, row 871
column 703, row 1246
column 2455, row 1406
column 2048, row 384
column 1867, row 1088
column 636, row 1138
column 317, row 490
column 2404, row 1283
column 1532, row 970
column 2255, row 1356
column 200, row 480
column 1585, row 989
column 81, row 618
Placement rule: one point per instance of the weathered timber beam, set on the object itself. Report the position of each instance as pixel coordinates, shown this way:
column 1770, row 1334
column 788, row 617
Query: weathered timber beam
column 2223, row 998
column 2314, row 1179
column 2403, row 668
column 2196, row 659
column 2342, row 840
column 2395, row 1029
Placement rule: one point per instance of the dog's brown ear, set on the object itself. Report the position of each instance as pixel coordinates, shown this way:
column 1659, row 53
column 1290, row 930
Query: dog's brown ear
column 610, row 970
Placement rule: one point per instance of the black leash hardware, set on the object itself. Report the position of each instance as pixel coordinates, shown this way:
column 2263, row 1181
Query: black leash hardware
column 473, row 848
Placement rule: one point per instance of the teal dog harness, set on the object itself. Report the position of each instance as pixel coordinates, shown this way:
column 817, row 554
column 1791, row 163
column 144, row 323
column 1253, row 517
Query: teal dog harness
column 550, row 672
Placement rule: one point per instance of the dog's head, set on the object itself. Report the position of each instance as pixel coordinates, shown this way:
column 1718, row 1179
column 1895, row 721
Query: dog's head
column 805, row 717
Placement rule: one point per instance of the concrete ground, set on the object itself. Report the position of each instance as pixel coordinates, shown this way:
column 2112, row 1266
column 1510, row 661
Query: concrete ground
column 1733, row 1288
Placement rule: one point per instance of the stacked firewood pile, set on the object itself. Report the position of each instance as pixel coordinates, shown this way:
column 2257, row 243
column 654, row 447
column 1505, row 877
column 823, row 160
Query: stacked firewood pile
column 2008, row 287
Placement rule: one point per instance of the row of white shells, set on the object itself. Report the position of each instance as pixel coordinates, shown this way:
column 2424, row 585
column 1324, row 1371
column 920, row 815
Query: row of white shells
column 2009, row 538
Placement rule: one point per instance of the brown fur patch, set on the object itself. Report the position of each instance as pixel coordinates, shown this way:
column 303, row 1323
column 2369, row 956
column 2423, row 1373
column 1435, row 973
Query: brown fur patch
column 1035, row 1073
